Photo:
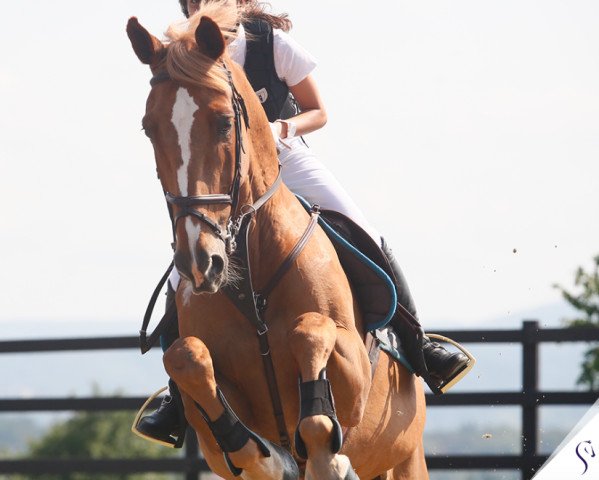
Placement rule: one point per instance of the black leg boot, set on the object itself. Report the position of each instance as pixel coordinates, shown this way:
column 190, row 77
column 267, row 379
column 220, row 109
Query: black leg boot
column 167, row 424
column 429, row 359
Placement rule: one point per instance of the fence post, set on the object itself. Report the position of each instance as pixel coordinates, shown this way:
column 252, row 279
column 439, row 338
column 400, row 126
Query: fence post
column 192, row 452
column 530, row 387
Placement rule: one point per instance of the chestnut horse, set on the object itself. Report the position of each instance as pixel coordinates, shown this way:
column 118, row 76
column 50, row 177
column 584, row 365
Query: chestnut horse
column 210, row 135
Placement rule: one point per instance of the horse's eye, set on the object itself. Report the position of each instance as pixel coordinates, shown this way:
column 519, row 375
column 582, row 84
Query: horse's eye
column 224, row 125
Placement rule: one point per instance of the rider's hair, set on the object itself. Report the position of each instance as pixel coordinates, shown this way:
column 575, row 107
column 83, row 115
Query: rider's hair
column 258, row 10
column 253, row 9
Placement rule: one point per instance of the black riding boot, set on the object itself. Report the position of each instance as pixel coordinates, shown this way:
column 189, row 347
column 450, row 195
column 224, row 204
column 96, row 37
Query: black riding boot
column 429, row 359
column 167, row 423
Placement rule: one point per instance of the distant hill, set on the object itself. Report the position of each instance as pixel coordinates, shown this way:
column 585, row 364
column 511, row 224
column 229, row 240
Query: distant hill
column 549, row 316
column 16, row 433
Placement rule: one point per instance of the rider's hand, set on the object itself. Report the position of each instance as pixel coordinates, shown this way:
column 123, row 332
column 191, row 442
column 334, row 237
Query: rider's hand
column 276, row 129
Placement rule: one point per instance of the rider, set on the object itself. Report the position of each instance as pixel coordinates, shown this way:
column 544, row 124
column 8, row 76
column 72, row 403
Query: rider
column 279, row 70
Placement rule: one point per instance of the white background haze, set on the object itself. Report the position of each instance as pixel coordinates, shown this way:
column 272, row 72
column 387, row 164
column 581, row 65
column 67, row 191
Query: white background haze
column 464, row 129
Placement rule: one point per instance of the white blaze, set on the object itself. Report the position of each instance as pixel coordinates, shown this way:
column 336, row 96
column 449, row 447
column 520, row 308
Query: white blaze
column 187, row 291
column 193, row 233
column 182, row 119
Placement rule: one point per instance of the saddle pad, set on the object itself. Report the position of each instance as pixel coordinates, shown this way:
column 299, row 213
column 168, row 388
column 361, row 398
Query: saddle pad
column 389, row 343
column 373, row 287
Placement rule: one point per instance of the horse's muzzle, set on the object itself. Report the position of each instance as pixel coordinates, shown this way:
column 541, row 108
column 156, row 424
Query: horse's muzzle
column 206, row 272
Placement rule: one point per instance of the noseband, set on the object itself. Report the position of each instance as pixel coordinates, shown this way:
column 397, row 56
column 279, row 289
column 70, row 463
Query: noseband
column 185, row 206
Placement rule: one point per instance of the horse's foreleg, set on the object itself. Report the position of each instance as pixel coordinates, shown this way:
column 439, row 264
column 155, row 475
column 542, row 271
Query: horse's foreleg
column 414, row 468
column 318, row 438
column 246, row 454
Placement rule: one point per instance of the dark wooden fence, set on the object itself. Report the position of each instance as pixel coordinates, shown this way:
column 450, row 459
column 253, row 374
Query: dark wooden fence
column 191, row 464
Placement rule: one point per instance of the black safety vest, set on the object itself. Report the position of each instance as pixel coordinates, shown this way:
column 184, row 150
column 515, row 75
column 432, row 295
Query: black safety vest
column 260, row 70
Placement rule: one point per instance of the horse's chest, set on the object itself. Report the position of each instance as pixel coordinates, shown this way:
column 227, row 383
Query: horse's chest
column 233, row 344
column 237, row 358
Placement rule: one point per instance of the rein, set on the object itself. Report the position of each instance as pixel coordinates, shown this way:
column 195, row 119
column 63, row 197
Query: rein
column 250, row 303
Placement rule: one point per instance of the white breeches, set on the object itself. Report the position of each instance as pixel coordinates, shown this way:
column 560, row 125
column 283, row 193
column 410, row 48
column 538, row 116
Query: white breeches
column 308, row 177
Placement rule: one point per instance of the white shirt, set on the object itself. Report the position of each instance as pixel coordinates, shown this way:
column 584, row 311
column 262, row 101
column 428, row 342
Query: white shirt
column 293, row 63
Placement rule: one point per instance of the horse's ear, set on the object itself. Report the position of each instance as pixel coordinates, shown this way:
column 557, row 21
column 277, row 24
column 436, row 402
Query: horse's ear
column 145, row 45
column 209, row 38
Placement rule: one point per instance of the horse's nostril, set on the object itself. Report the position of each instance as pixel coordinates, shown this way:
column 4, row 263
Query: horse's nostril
column 218, row 264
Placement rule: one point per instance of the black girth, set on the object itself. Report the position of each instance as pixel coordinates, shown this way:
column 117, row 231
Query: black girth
column 236, row 237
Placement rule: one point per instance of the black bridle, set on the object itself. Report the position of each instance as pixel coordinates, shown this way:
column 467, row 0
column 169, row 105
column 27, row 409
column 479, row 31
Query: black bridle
column 186, row 204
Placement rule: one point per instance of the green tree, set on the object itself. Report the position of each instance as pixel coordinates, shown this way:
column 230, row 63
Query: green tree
column 586, row 301
column 97, row 435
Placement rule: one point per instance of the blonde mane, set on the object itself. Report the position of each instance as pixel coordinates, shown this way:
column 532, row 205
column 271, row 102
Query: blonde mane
column 184, row 62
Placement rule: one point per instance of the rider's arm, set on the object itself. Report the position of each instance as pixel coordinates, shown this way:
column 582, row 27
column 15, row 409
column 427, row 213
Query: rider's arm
column 313, row 114
column 294, row 66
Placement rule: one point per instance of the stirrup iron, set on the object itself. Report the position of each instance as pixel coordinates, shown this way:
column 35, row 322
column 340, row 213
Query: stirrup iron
column 176, row 443
column 445, row 386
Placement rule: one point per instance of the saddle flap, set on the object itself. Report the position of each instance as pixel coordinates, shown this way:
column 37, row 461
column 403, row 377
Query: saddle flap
column 361, row 258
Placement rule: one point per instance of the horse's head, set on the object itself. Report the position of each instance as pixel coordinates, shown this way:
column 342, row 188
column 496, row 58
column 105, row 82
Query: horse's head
column 194, row 118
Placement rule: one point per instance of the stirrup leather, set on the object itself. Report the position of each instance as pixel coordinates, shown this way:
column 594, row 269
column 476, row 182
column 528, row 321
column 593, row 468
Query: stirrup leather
column 176, row 443
column 445, row 386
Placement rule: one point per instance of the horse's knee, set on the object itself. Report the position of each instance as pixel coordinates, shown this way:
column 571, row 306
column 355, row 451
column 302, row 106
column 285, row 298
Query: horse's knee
column 312, row 339
column 187, row 357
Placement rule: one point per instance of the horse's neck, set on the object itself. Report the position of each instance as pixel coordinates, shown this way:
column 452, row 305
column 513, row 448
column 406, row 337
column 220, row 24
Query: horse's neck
column 262, row 164
column 278, row 226
column 278, row 222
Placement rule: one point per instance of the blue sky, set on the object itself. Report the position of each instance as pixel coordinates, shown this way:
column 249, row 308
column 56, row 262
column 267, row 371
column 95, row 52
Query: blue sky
column 464, row 129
